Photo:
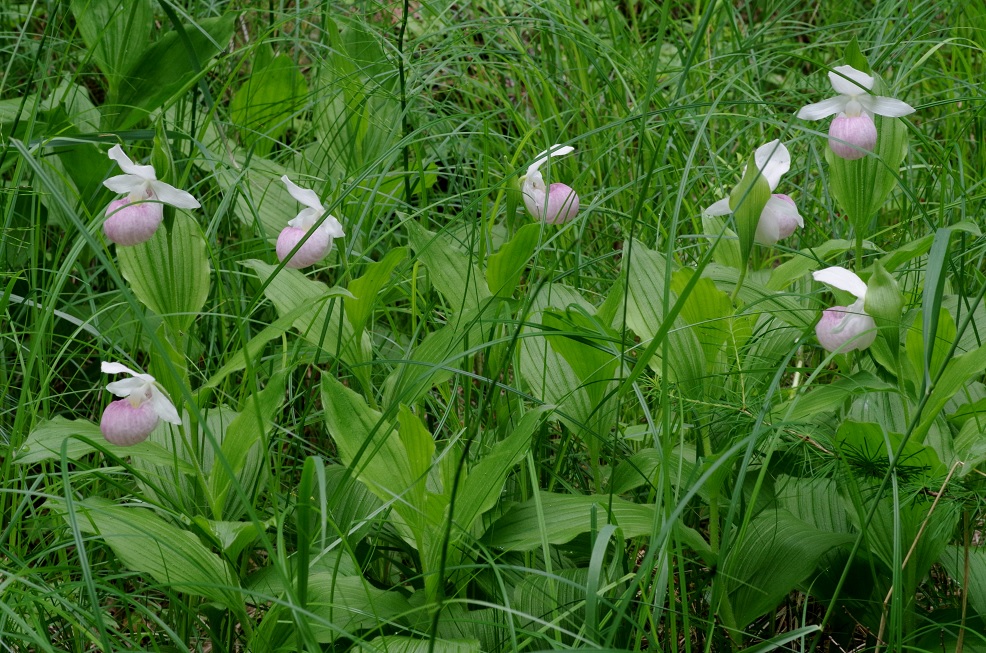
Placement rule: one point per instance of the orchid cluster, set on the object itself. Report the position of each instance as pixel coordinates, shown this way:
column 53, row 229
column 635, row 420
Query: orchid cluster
column 307, row 238
column 134, row 219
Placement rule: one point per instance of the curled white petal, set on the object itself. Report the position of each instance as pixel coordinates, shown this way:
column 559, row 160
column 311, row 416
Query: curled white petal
column 332, row 227
column 306, row 196
column 846, row 80
column 842, row 279
column 115, row 368
column 163, row 406
column 885, row 106
column 719, row 208
column 126, row 387
column 125, row 183
column 823, row 109
column 554, row 150
column 175, row 197
column 773, row 160
column 144, row 172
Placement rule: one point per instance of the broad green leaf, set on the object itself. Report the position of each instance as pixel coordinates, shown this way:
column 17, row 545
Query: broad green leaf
column 549, row 375
column 484, row 484
column 505, row 268
column 452, row 270
column 166, row 68
column 147, row 544
column 645, row 312
column 358, row 117
column 710, row 312
column 777, row 554
column 761, row 299
column 402, row 644
column 815, row 500
column 558, row 599
column 958, row 371
column 864, row 445
column 324, row 324
column 953, row 559
column 243, row 447
column 45, row 443
column 263, row 107
column 170, row 273
column 830, row 396
column 115, row 32
column 914, row 347
column 340, row 605
column 377, row 454
column 585, row 345
column 231, row 536
column 803, row 262
column 365, row 289
column 727, row 250
column 566, row 516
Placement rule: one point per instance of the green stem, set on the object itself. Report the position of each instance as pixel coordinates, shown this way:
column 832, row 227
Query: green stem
column 859, row 252
column 739, row 284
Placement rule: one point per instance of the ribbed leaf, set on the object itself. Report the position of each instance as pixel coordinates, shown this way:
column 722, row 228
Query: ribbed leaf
column 565, row 516
column 778, row 553
column 147, row 544
column 169, row 273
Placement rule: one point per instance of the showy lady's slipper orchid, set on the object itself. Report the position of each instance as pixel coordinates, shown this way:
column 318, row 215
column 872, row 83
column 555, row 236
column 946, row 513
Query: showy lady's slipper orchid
column 131, row 419
column 554, row 204
column 133, row 219
column 845, row 328
column 319, row 241
column 853, row 133
column 780, row 216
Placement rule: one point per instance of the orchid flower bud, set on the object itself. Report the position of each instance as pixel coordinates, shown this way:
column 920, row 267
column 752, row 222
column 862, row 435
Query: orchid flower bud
column 131, row 419
column 554, row 204
column 853, row 133
column 845, row 328
column 317, row 239
column 133, row 219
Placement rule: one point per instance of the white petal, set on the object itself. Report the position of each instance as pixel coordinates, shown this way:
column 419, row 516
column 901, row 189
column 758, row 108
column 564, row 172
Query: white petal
column 332, row 227
column 842, row 279
column 115, row 368
column 306, row 218
column 127, row 387
column 163, row 406
column 128, row 166
column 846, row 80
column 774, row 160
column 719, row 208
column 823, row 109
column 886, row 106
column 170, row 195
column 124, row 183
column 555, row 150
column 307, row 197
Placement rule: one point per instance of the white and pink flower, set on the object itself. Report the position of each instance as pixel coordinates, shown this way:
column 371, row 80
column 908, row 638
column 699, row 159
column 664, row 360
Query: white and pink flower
column 845, row 328
column 852, row 134
column 133, row 219
column 317, row 239
column 131, row 419
column 554, row 204
column 779, row 218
